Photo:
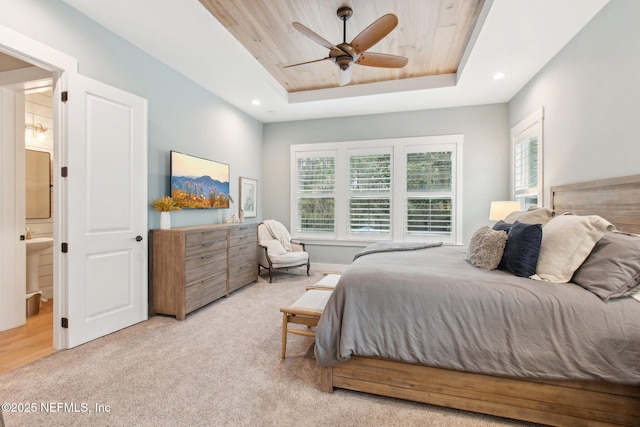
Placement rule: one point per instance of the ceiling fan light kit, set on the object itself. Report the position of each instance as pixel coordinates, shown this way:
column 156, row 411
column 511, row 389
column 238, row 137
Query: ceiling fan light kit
column 346, row 54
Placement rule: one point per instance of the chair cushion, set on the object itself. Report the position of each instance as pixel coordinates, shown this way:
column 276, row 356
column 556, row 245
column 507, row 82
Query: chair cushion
column 274, row 247
column 289, row 259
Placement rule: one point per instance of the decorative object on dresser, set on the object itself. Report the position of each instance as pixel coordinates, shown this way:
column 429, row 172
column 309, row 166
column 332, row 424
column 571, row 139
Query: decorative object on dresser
column 165, row 205
column 193, row 266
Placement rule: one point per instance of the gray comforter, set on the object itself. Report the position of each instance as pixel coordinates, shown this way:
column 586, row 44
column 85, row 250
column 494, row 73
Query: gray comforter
column 430, row 306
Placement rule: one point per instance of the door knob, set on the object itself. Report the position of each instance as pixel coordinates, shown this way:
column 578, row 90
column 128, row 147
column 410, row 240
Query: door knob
column 138, row 238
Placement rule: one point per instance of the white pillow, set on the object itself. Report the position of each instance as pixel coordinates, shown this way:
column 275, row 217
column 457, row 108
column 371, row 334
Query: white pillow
column 534, row 215
column 274, row 247
column 567, row 240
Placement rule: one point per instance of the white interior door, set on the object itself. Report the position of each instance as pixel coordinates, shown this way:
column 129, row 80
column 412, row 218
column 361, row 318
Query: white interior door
column 106, row 210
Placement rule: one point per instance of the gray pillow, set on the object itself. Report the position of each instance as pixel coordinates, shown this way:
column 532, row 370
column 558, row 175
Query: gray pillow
column 486, row 247
column 612, row 269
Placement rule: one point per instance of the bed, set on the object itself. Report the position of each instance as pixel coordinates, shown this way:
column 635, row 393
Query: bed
column 567, row 388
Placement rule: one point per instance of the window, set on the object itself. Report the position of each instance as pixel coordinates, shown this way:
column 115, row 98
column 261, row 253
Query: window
column 370, row 192
column 526, row 138
column 399, row 189
column 315, row 207
column 429, row 193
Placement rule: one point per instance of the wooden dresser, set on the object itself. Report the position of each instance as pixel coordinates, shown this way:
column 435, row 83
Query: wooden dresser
column 193, row 266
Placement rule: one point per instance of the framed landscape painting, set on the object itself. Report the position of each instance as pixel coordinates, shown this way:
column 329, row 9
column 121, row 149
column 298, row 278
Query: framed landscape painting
column 249, row 197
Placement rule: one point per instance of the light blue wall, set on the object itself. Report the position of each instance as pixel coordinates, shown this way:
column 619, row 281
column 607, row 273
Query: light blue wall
column 591, row 95
column 485, row 156
column 182, row 115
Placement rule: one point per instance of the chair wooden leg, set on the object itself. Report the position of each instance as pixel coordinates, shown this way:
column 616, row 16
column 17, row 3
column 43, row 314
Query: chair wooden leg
column 284, row 334
column 270, row 278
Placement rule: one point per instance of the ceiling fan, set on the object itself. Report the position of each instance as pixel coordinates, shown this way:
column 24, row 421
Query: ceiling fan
column 346, row 54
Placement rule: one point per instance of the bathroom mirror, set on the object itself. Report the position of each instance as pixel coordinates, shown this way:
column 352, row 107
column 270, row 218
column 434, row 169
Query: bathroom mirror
column 38, row 184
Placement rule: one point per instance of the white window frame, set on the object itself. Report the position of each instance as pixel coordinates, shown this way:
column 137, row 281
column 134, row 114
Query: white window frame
column 365, row 235
column 330, row 152
column 530, row 127
column 398, row 147
column 456, row 195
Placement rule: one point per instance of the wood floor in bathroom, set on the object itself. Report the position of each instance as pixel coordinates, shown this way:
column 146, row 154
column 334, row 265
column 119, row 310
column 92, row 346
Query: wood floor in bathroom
column 28, row 343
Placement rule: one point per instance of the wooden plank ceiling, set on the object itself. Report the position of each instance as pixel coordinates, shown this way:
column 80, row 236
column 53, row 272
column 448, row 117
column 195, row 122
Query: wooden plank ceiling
column 433, row 34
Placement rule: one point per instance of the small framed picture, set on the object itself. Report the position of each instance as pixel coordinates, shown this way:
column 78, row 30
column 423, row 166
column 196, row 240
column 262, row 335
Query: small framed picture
column 249, row 197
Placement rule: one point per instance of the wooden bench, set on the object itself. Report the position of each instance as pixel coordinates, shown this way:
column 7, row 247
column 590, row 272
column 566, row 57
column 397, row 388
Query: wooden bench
column 305, row 311
column 327, row 283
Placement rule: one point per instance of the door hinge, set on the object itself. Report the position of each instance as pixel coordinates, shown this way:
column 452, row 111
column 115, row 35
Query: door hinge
column 64, row 96
column 64, row 171
column 64, row 323
column 64, row 248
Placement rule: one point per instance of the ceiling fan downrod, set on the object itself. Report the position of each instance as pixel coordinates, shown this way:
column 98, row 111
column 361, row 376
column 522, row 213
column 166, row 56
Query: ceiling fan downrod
column 344, row 13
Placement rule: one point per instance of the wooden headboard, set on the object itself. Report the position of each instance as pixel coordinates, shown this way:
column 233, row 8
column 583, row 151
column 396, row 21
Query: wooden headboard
column 615, row 199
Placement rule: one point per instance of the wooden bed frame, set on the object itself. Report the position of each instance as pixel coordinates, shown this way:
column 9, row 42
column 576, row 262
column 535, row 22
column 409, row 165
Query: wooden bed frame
column 561, row 403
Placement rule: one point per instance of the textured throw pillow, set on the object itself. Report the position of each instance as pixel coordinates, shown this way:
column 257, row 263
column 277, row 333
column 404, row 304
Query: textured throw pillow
column 521, row 252
column 502, row 226
column 566, row 242
column 486, row 247
column 532, row 216
column 613, row 268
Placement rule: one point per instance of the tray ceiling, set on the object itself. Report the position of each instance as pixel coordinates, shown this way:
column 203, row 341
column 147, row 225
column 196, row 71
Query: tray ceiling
column 432, row 34
column 517, row 37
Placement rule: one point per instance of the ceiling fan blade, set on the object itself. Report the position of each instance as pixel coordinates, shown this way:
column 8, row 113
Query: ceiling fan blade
column 313, row 36
column 374, row 32
column 345, row 76
column 307, row 62
column 382, row 60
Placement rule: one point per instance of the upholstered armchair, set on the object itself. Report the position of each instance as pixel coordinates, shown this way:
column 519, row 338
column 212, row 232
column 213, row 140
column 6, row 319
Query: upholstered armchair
column 276, row 250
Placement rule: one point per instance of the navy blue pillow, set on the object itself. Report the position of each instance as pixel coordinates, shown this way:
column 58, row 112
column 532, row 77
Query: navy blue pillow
column 502, row 226
column 523, row 247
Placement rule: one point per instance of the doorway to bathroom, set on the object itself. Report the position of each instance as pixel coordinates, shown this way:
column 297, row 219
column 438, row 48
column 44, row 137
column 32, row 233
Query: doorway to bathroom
column 27, row 113
column 100, row 204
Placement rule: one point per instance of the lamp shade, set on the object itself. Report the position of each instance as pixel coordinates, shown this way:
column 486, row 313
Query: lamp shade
column 500, row 209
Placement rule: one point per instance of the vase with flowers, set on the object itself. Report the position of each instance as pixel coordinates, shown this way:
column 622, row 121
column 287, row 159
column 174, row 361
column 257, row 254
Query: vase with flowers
column 165, row 205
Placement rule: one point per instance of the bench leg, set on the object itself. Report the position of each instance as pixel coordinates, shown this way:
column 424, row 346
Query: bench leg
column 285, row 321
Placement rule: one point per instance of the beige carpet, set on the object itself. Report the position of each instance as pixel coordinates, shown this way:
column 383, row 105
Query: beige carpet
column 219, row 367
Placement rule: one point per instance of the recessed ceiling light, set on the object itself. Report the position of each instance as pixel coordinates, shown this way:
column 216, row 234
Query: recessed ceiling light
column 255, row 102
column 499, row 76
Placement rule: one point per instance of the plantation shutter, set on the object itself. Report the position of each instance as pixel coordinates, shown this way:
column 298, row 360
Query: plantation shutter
column 316, row 192
column 527, row 140
column 525, row 173
column 430, row 193
column 370, row 192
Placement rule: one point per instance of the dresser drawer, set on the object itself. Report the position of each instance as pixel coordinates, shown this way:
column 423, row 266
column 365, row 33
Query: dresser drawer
column 196, row 238
column 202, row 293
column 241, row 275
column 242, row 254
column 197, row 268
column 242, row 235
column 205, row 248
column 243, row 229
